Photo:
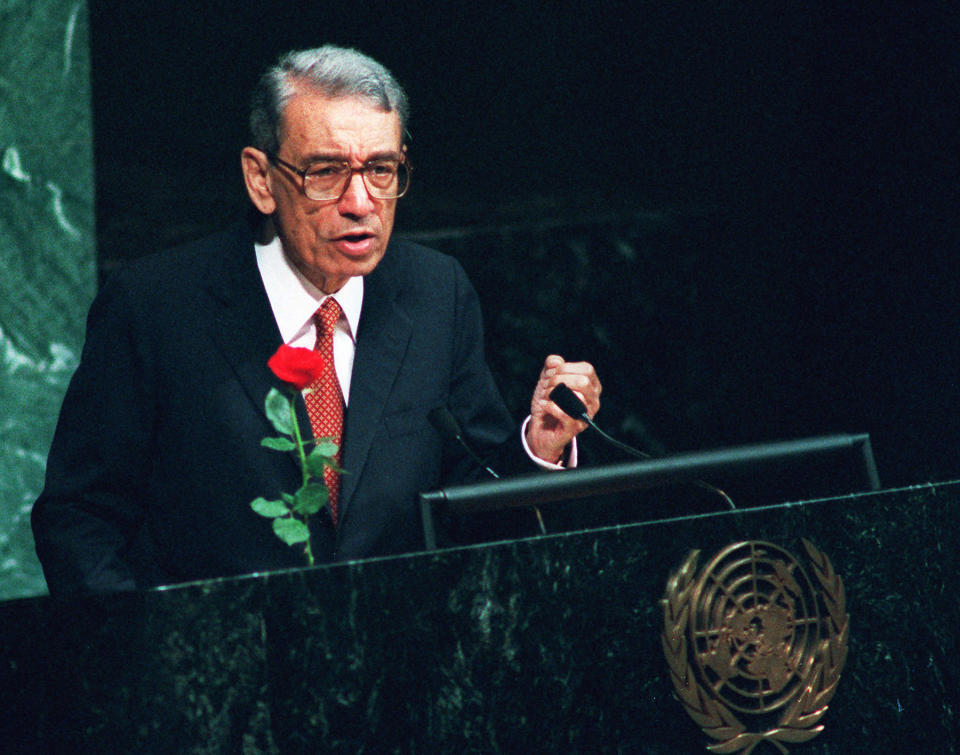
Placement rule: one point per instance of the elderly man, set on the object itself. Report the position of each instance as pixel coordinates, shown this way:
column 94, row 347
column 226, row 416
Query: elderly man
column 157, row 452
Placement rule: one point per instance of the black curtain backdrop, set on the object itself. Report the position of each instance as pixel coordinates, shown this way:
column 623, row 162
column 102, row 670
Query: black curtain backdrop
column 744, row 213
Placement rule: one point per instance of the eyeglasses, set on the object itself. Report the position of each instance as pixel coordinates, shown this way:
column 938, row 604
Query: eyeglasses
column 386, row 178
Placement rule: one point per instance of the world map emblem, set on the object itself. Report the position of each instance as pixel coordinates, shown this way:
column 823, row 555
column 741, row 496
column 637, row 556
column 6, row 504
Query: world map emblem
column 755, row 643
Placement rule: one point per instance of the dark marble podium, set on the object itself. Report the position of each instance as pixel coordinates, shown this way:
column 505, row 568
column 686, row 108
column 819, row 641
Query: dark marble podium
column 549, row 644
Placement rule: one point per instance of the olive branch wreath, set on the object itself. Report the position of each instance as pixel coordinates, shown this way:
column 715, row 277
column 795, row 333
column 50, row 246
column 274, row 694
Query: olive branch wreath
column 799, row 722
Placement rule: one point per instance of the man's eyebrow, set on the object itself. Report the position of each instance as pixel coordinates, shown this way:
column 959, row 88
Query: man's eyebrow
column 384, row 155
column 332, row 157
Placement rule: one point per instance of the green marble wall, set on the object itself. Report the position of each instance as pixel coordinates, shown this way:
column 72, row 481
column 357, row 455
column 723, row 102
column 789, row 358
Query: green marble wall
column 46, row 251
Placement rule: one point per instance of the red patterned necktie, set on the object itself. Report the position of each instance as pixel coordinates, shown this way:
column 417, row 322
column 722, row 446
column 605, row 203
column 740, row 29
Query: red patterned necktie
column 323, row 398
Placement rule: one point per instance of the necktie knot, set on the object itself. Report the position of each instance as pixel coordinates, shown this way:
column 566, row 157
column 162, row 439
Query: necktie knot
column 327, row 316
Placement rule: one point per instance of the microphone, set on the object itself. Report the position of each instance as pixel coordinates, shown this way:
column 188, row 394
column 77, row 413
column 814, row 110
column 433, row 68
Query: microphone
column 573, row 407
column 449, row 429
column 567, row 400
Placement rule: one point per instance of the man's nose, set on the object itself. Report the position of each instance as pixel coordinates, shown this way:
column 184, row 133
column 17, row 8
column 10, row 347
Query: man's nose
column 355, row 199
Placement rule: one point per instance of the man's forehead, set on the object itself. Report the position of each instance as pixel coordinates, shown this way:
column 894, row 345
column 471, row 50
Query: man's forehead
column 311, row 115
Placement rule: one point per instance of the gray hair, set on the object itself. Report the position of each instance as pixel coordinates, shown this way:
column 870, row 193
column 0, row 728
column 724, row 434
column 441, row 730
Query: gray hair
column 329, row 70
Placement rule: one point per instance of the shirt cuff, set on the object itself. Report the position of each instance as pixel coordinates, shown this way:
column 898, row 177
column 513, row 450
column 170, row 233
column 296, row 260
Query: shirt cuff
column 571, row 456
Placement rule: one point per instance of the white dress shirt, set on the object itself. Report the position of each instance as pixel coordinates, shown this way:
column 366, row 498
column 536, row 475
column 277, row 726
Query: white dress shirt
column 294, row 301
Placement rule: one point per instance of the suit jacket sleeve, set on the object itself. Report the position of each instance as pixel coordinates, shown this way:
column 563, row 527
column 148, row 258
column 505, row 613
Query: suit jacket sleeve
column 157, row 454
column 86, row 517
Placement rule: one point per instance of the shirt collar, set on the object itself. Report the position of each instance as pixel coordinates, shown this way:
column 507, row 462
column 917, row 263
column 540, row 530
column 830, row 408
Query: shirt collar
column 294, row 299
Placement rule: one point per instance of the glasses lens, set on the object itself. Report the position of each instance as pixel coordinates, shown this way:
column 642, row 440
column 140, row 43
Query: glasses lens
column 325, row 180
column 384, row 180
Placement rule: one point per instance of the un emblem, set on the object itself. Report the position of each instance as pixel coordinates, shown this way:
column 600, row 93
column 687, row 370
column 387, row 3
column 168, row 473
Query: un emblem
column 755, row 646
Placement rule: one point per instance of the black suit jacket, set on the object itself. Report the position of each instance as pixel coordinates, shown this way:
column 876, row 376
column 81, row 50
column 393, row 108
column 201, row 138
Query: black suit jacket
column 157, row 453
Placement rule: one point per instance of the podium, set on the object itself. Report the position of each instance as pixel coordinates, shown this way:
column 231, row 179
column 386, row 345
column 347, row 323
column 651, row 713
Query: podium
column 546, row 644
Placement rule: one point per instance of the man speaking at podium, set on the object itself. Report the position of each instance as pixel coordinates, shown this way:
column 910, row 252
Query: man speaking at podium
column 157, row 452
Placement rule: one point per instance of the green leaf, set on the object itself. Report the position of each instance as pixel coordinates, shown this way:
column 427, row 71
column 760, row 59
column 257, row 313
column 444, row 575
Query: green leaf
column 279, row 444
column 316, row 463
column 287, row 497
column 270, row 509
column 325, row 447
column 277, row 405
column 291, row 531
column 332, row 463
column 311, row 498
column 323, row 455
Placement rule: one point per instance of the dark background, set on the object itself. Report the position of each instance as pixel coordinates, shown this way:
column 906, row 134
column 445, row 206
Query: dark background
column 743, row 213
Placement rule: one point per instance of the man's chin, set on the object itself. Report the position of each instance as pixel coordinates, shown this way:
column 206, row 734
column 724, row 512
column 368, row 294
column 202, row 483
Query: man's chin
column 362, row 264
column 331, row 278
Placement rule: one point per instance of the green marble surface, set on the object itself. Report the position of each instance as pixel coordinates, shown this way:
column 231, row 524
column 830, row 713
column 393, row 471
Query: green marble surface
column 46, row 251
column 550, row 644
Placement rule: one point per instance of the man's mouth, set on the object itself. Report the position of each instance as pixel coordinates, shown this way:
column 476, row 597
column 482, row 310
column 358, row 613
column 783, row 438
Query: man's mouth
column 355, row 243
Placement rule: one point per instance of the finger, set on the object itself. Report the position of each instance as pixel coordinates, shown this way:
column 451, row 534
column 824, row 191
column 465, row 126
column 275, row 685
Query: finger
column 585, row 381
column 554, row 360
column 583, row 373
column 578, row 376
column 552, row 363
column 551, row 366
column 577, row 368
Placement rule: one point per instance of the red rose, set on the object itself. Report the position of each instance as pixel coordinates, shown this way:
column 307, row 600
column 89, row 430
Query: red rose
column 295, row 366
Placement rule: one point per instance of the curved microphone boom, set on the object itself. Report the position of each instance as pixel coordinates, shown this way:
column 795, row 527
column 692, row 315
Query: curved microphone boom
column 572, row 406
column 448, row 427
column 446, row 424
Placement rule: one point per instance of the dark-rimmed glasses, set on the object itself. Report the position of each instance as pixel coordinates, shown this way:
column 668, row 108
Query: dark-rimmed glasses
column 384, row 178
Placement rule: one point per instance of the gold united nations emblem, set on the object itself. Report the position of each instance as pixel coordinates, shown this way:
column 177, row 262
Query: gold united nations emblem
column 755, row 647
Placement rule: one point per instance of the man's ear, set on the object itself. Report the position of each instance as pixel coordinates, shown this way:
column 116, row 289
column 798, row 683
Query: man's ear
column 255, row 166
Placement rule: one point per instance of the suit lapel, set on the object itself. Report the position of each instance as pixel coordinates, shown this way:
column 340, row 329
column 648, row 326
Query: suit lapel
column 246, row 333
column 243, row 325
column 382, row 340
